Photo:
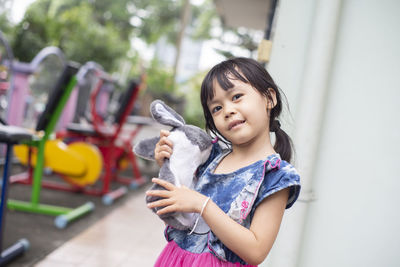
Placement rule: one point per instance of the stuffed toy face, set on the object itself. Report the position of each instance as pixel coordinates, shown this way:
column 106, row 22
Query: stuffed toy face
column 192, row 147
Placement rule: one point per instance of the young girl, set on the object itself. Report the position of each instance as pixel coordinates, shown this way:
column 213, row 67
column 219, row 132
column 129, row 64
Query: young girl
column 241, row 192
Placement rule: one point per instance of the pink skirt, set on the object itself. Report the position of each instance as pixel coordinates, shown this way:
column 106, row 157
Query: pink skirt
column 174, row 256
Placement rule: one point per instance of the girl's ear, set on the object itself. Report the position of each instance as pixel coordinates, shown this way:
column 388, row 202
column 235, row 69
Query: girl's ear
column 271, row 98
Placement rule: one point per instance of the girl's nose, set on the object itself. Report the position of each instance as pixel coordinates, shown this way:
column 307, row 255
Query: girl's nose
column 229, row 111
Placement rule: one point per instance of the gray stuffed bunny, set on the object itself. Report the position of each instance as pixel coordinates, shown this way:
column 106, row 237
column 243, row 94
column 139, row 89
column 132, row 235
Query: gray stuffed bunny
column 192, row 147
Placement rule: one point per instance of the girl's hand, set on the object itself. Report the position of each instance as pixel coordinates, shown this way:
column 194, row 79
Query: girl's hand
column 181, row 199
column 163, row 148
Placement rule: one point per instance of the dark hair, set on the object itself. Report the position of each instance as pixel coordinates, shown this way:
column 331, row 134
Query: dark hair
column 248, row 71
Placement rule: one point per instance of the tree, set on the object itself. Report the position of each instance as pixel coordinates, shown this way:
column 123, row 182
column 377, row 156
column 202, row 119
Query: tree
column 152, row 19
column 246, row 39
column 170, row 18
column 5, row 24
column 79, row 28
column 185, row 16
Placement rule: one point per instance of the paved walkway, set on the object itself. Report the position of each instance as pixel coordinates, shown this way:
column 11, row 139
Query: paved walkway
column 129, row 236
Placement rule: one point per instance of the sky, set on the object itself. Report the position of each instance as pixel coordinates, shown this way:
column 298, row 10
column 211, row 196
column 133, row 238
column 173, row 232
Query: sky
column 18, row 9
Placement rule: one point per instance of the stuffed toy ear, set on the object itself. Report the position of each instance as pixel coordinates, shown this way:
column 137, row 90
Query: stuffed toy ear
column 145, row 148
column 165, row 115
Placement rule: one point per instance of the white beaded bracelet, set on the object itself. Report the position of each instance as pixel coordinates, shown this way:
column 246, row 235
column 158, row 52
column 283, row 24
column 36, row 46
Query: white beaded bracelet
column 201, row 213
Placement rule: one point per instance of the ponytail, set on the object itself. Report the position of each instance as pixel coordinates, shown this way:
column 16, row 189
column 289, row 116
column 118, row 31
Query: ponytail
column 283, row 143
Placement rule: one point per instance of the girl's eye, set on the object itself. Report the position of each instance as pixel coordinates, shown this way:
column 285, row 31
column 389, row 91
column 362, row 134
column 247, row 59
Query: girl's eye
column 237, row 96
column 215, row 109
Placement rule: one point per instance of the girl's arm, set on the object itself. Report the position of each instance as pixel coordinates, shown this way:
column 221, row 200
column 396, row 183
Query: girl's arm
column 252, row 245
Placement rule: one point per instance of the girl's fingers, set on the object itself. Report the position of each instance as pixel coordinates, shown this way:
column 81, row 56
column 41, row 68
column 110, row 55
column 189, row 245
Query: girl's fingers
column 164, row 148
column 165, row 141
column 162, row 155
column 159, row 193
column 159, row 203
column 163, row 183
column 164, row 133
column 167, row 209
column 161, row 152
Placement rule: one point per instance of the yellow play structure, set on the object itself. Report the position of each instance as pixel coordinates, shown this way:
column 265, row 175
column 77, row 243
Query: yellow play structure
column 79, row 163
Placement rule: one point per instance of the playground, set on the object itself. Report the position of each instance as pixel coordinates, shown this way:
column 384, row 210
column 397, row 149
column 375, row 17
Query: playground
column 76, row 82
column 47, row 240
column 67, row 133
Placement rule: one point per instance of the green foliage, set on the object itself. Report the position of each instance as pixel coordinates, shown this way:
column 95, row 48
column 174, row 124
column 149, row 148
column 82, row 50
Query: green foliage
column 153, row 18
column 108, row 12
column 193, row 109
column 5, row 27
column 159, row 78
column 80, row 30
column 30, row 36
column 97, row 43
column 5, row 24
column 204, row 18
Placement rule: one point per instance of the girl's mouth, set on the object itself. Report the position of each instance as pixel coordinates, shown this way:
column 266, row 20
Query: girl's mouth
column 235, row 123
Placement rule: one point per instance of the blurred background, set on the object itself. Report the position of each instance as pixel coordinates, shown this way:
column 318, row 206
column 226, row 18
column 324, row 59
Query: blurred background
column 338, row 62
column 176, row 42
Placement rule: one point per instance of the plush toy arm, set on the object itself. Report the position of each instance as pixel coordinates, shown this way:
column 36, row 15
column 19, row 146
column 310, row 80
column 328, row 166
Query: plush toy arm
column 145, row 148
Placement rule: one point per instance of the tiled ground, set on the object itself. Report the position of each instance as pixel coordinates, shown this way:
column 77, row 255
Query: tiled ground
column 129, row 236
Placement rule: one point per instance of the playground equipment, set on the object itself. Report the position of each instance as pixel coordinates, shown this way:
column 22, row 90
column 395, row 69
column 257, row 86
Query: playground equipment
column 6, row 77
column 10, row 135
column 81, row 165
column 24, row 108
column 115, row 149
column 46, row 124
column 93, row 74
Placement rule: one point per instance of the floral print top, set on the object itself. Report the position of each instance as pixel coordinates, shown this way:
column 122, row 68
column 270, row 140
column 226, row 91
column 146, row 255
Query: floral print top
column 237, row 194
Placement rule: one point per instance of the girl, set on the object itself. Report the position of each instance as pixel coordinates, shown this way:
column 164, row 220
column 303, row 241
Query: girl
column 241, row 192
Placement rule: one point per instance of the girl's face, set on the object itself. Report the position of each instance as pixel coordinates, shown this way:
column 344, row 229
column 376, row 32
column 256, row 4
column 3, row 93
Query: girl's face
column 240, row 114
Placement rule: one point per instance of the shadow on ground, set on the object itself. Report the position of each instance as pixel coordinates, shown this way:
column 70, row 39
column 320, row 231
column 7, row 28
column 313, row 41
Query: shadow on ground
column 40, row 230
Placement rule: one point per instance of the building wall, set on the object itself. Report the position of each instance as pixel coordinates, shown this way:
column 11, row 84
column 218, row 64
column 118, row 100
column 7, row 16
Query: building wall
column 291, row 38
column 355, row 220
column 354, row 173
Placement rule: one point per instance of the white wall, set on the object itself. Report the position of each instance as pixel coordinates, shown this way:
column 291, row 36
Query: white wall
column 355, row 174
column 294, row 20
column 355, row 220
column 290, row 46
